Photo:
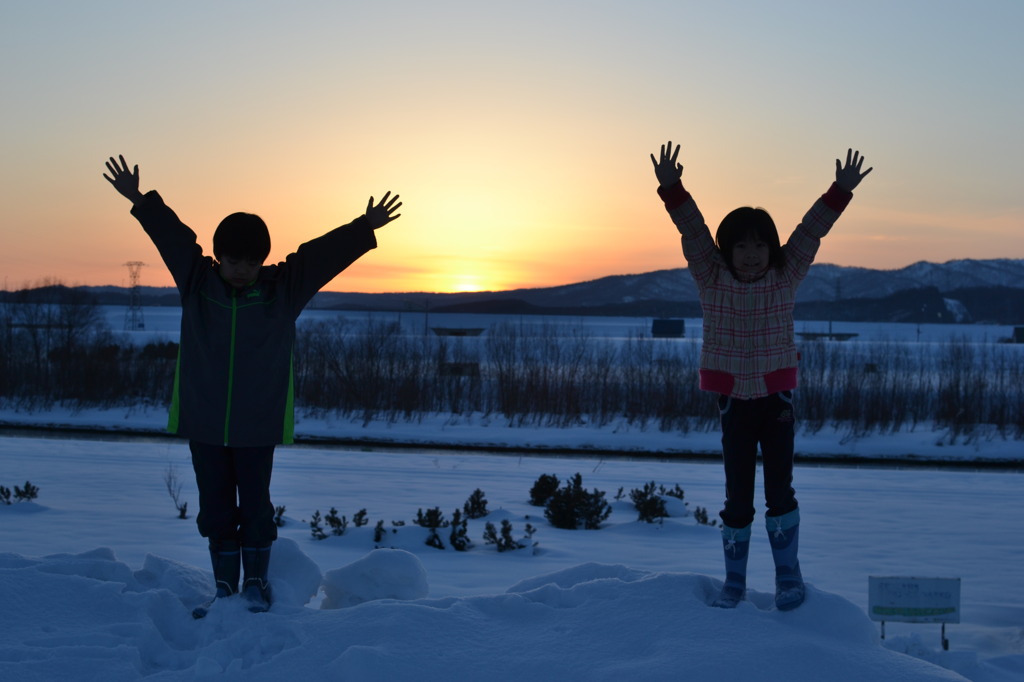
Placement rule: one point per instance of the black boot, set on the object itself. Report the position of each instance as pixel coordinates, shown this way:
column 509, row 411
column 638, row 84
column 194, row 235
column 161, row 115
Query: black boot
column 256, row 588
column 226, row 569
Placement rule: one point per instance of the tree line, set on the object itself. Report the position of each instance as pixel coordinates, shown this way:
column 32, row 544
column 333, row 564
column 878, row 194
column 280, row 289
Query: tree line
column 60, row 352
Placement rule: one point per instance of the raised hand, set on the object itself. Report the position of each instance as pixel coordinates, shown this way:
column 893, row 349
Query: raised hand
column 125, row 182
column 666, row 168
column 380, row 215
column 849, row 176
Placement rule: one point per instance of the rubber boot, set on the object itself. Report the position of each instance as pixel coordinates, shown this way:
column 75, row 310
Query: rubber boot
column 784, row 535
column 226, row 568
column 256, row 588
column 736, row 544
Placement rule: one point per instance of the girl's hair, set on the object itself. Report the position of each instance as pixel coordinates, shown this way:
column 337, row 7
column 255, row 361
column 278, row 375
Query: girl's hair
column 242, row 235
column 746, row 222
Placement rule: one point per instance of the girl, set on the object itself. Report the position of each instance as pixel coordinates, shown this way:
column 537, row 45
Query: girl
column 747, row 283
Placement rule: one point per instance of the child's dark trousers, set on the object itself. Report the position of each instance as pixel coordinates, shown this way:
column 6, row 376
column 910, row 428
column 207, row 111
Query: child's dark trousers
column 746, row 424
column 234, row 495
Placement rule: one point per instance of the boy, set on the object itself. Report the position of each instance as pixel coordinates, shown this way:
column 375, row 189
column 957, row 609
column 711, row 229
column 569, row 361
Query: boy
column 233, row 385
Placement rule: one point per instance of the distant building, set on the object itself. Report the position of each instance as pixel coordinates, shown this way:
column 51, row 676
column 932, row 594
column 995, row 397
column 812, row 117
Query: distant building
column 668, row 328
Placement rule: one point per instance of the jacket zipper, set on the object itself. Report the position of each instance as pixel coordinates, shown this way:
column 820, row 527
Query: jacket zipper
column 231, row 366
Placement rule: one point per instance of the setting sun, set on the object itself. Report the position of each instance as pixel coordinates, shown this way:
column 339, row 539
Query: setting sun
column 466, row 283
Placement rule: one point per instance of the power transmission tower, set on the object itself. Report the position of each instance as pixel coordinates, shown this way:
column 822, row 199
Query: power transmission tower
column 133, row 319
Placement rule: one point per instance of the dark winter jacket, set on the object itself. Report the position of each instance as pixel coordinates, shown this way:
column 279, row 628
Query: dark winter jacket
column 234, row 382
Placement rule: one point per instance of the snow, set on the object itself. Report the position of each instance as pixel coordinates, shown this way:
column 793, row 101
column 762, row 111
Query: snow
column 98, row 575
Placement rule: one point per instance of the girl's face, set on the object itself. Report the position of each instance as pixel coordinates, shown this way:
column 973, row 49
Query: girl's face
column 750, row 257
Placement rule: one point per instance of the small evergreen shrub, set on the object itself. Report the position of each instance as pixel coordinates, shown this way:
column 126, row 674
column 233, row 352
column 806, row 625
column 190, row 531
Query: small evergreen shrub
column 649, row 505
column 476, row 505
column 433, row 520
column 676, row 492
column 359, row 518
column 459, row 537
column 279, row 516
column 26, row 494
column 504, row 542
column 434, row 540
column 379, row 532
column 543, row 488
column 572, row 507
column 701, row 515
column 338, row 524
column 315, row 528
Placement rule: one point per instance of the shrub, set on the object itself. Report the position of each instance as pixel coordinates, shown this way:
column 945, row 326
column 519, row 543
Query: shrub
column 337, row 524
column 543, row 488
column 433, row 520
column 26, row 494
column 434, row 540
column 29, row 492
column 279, row 516
column 173, row 489
column 315, row 528
column 572, row 507
column 359, row 518
column 459, row 537
column 701, row 515
column 378, row 532
column 676, row 492
column 504, row 542
column 476, row 505
column 649, row 505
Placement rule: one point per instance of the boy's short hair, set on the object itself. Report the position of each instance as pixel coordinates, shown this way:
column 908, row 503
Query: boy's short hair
column 746, row 221
column 242, row 235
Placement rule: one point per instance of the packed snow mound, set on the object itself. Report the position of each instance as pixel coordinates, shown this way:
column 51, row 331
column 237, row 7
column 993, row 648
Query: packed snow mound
column 91, row 617
column 381, row 574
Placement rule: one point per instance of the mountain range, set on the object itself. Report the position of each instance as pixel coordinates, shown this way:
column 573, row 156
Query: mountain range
column 990, row 291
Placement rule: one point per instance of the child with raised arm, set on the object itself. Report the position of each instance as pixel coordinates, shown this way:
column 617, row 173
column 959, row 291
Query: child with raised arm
column 233, row 387
column 747, row 284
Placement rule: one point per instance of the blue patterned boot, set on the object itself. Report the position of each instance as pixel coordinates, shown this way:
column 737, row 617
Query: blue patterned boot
column 736, row 543
column 783, row 535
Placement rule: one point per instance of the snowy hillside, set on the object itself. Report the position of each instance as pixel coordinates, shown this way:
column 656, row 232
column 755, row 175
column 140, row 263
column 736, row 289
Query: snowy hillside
column 824, row 283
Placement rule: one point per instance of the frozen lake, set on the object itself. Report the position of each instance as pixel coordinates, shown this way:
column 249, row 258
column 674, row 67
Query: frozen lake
column 161, row 324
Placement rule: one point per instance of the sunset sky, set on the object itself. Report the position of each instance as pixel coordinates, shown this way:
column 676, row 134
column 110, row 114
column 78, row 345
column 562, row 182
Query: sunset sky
column 518, row 134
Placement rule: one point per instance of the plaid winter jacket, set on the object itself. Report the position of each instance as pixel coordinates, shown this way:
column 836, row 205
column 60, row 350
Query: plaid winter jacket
column 749, row 350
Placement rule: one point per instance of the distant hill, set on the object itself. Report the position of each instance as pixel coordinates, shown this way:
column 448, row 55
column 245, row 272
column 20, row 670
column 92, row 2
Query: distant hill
column 956, row 291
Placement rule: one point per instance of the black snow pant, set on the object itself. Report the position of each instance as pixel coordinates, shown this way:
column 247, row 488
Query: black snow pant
column 767, row 422
column 234, row 495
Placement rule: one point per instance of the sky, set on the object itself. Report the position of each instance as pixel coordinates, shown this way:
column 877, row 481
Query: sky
column 517, row 134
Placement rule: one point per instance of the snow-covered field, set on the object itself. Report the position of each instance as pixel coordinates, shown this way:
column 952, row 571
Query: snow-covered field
column 161, row 324
column 97, row 576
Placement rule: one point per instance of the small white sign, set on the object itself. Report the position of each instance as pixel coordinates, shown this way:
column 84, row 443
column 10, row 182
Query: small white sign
column 914, row 600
